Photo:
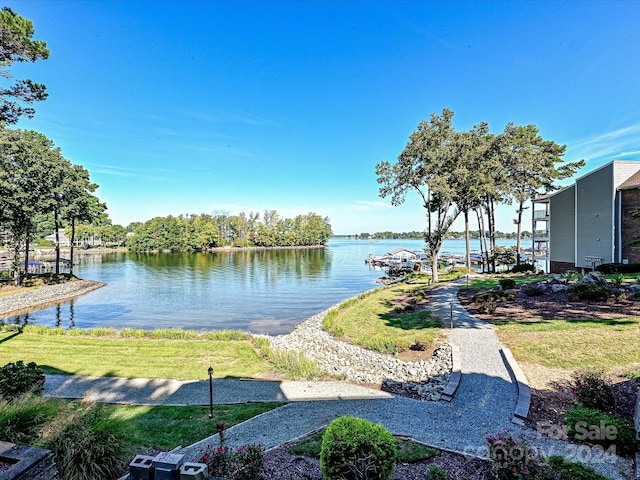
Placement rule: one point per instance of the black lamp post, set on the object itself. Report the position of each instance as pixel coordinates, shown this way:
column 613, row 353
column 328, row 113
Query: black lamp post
column 210, row 392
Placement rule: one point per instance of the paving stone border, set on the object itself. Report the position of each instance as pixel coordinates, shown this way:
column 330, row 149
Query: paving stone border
column 524, row 392
column 456, row 375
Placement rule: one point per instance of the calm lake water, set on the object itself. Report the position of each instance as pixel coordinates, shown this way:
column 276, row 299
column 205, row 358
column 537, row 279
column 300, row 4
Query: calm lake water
column 259, row 291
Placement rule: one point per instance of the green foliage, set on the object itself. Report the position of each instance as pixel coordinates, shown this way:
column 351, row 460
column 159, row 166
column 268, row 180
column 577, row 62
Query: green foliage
column 609, row 268
column 514, row 458
column 459, row 271
column 21, row 420
column 243, row 463
column 487, row 307
column 17, row 379
column 532, row 290
column 592, row 390
column 617, row 279
column 571, row 276
column 484, row 296
column 507, row 283
column 615, row 434
column 523, row 268
column 17, row 46
column 86, row 442
column 590, row 292
column 203, row 232
column 292, row 363
column 565, row 469
column 503, row 255
column 436, row 473
column 356, row 449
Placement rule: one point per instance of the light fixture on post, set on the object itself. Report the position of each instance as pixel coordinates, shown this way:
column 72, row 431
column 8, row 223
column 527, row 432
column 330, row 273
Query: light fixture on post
column 210, row 392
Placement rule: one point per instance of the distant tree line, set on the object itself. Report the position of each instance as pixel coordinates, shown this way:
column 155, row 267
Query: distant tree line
column 415, row 235
column 203, row 232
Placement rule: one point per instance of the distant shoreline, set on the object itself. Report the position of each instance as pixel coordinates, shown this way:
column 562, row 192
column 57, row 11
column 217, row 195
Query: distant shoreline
column 65, row 251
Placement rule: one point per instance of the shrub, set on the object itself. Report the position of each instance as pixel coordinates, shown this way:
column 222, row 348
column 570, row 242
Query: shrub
column 459, row 271
column 18, row 378
column 436, row 473
column 507, row 283
column 487, row 308
column 249, row 462
column 588, row 292
column 515, row 459
column 565, row 469
column 607, row 268
column 592, row 390
column 523, row 268
column 491, row 296
column 532, row 290
column 22, row 419
column 356, row 449
column 615, row 434
column 242, row 463
column 86, row 442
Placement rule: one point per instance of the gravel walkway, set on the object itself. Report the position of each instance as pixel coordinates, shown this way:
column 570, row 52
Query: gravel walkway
column 483, row 405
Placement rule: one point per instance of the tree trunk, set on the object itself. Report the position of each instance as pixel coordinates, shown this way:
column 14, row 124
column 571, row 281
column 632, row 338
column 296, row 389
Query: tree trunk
column 519, row 232
column 492, row 231
column 483, row 237
column 434, row 266
column 467, row 240
column 56, row 226
column 26, row 256
column 17, row 266
column 73, row 239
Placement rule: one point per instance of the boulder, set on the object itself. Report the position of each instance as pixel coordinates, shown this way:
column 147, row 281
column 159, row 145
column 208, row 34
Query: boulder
column 594, row 277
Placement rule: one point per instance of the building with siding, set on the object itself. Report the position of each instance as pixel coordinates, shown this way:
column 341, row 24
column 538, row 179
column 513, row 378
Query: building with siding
column 589, row 222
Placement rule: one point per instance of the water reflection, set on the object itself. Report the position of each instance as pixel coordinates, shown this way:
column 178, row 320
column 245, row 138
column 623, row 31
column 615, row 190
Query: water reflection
column 262, row 291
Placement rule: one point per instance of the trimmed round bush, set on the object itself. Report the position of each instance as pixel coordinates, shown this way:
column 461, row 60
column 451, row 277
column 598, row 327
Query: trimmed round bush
column 356, row 449
column 507, row 283
column 19, row 378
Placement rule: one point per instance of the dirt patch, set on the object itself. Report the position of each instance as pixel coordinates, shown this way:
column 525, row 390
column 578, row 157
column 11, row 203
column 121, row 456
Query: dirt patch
column 549, row 306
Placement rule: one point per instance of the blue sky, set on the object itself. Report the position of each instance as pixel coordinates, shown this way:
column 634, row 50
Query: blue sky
column 212, row 106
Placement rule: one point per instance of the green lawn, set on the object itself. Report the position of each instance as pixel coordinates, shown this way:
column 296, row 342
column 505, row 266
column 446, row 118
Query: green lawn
column 133, row 357
column 574, row 344
column 166, row 428
column 387, row 319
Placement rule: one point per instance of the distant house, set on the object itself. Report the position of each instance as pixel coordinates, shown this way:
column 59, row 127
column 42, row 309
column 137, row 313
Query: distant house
column 62, row 236
column 402, row 255
column 589, row 222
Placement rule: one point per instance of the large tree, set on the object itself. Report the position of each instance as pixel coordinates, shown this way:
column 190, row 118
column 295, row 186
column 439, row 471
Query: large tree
column 426, row 167
column 78, row 204
column 470, row 176
column 531, row 166
column 24, row 187
column 17, row 46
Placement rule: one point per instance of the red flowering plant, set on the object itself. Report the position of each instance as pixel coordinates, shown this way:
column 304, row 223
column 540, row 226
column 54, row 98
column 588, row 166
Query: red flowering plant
column 592, row 389
column 241, row 463
column 515, row 459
